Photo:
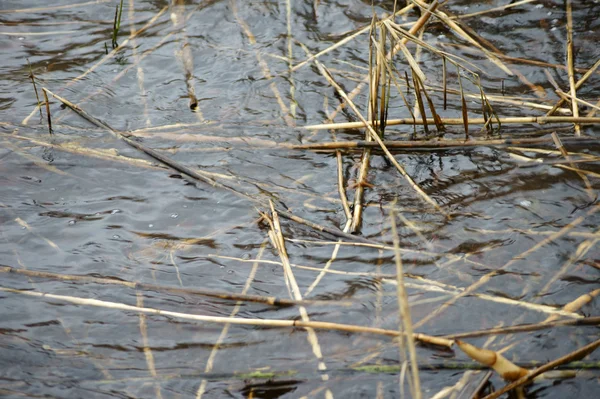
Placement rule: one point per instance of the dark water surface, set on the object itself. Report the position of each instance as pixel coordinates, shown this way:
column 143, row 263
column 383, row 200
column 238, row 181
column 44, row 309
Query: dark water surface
column 81, row 202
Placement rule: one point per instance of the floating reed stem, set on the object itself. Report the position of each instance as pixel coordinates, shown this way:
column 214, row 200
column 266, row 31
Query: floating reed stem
column 231, row 320
column 575, row 355
column 438, row 144
column 540, row 120
column 404, row 314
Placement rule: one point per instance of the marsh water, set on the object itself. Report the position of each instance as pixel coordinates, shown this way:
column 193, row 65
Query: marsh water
column 81, row 202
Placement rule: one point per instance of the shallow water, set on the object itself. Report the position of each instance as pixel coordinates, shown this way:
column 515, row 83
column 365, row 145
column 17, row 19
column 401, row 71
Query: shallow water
column 81, row 202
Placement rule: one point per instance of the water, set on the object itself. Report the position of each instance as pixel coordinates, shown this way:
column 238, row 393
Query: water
column 81, row 202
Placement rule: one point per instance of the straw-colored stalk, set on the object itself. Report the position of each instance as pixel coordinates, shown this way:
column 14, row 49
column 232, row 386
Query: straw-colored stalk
column 436, row 145
column 575, row 355
column 541, row 120
column 361, row 180
column 375, row 136
column 405, row 318
column 278, row 241
column 571, row 64
column 413, row 30
column 507, row 369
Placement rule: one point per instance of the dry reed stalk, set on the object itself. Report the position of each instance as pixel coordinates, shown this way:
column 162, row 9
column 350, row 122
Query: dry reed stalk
column 266, row 300
column 413, row 30
column 404, row 315
column 565, row 154
column 579, row 83
column 361, row 179
column 570, row 64
column 276, row 236
column 545, row 151
column 341, row 185
column 587, row 321
column 575, row 355
column 213, row 353
column 415, row 230
column 146, row 346
column 541, row 120
column 576, row 304
column 436, row 145
column 492, row 359
column 376, row 137
column 586, row 103
column 484, row 279
column 276, row 323
column 579, row 171
column 581, row 301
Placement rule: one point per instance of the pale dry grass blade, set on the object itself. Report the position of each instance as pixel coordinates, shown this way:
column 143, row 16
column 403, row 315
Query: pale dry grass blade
column 276, row 236
column 405, row 317
column 518, row 120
